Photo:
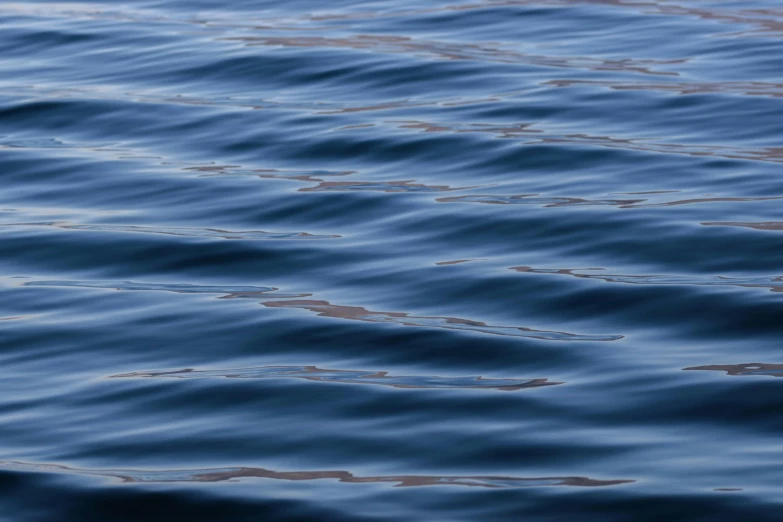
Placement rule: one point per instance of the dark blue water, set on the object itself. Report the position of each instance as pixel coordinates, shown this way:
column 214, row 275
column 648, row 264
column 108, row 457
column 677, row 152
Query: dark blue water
column 443, row 261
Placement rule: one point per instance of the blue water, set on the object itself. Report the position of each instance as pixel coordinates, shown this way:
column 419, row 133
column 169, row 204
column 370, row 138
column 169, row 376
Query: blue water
column 443, row 261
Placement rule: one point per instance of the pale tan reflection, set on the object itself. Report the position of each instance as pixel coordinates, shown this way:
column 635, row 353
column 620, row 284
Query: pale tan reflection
column 312, row 176
column 224, row 291
column 772, row 90
column 771, row 154
column 764, row 225
column 320, row 107
column 226, row 474
column 554, row 201
column 531, row 136
column 358, row 313
column 747, row 369
column 457, row 261
column 324, row 185
column 460, row 51
column 536, row 199
column 773, row 283
column 379, row 186
column 327, row 309
column 505, row 131
column 325, row 108
column 313, row 373
column 766, row 20
column 205, row 233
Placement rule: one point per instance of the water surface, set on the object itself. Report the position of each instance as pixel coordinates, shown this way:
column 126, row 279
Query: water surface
column 461, row 260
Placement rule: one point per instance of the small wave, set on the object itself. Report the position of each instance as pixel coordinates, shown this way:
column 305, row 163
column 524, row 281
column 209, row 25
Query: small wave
column 313, row 373
column 774, row 284
column 357, row 313
column 212, row 233
column 224, row 474
column 765, row 21
column 534, row 199
column 32, row 143
column 528, row 135
column 456, row 262
column 550, row 202
column 485, row 52
column 183, row 288
column 765, row 225
column 314, row 176
column 766, row 89
column 322, row 185
column 747, row 369
column 327, row 309
column 379, row 186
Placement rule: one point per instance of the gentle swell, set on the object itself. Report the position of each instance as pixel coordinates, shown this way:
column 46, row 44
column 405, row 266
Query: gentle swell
column 327, row 309
column 358, row 235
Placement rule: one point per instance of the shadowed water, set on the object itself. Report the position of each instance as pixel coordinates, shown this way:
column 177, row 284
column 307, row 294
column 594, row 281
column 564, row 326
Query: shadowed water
column 294, row 261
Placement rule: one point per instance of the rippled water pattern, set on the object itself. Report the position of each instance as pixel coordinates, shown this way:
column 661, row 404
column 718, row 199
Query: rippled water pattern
column 443, row 261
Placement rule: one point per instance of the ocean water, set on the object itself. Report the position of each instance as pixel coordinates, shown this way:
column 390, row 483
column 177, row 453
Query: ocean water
column 442, row 261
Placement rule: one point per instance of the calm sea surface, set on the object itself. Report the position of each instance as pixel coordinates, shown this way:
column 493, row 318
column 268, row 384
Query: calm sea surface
column 442, row 261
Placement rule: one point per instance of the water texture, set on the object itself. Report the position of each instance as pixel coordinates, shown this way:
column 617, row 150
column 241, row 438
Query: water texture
column 444, row 261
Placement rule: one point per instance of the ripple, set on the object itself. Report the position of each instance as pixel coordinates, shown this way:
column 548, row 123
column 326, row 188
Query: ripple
column 313, row 373
column 231, row 292
column 764, row 20
column 32, row 143
column 313, row 176
column 551, row 202
column 485, row 52
column 534, row 199
column 379, row 186
column 766, row 225
column 766, row 89
column 322, row 185
column 457, row 262
column 774, row 284
column 527, row 134
column 531, row 136
column 503, row 131
column 224, row 474
column 357, row 313
column 211, row 233
column 327, row 309
column 44, row 92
